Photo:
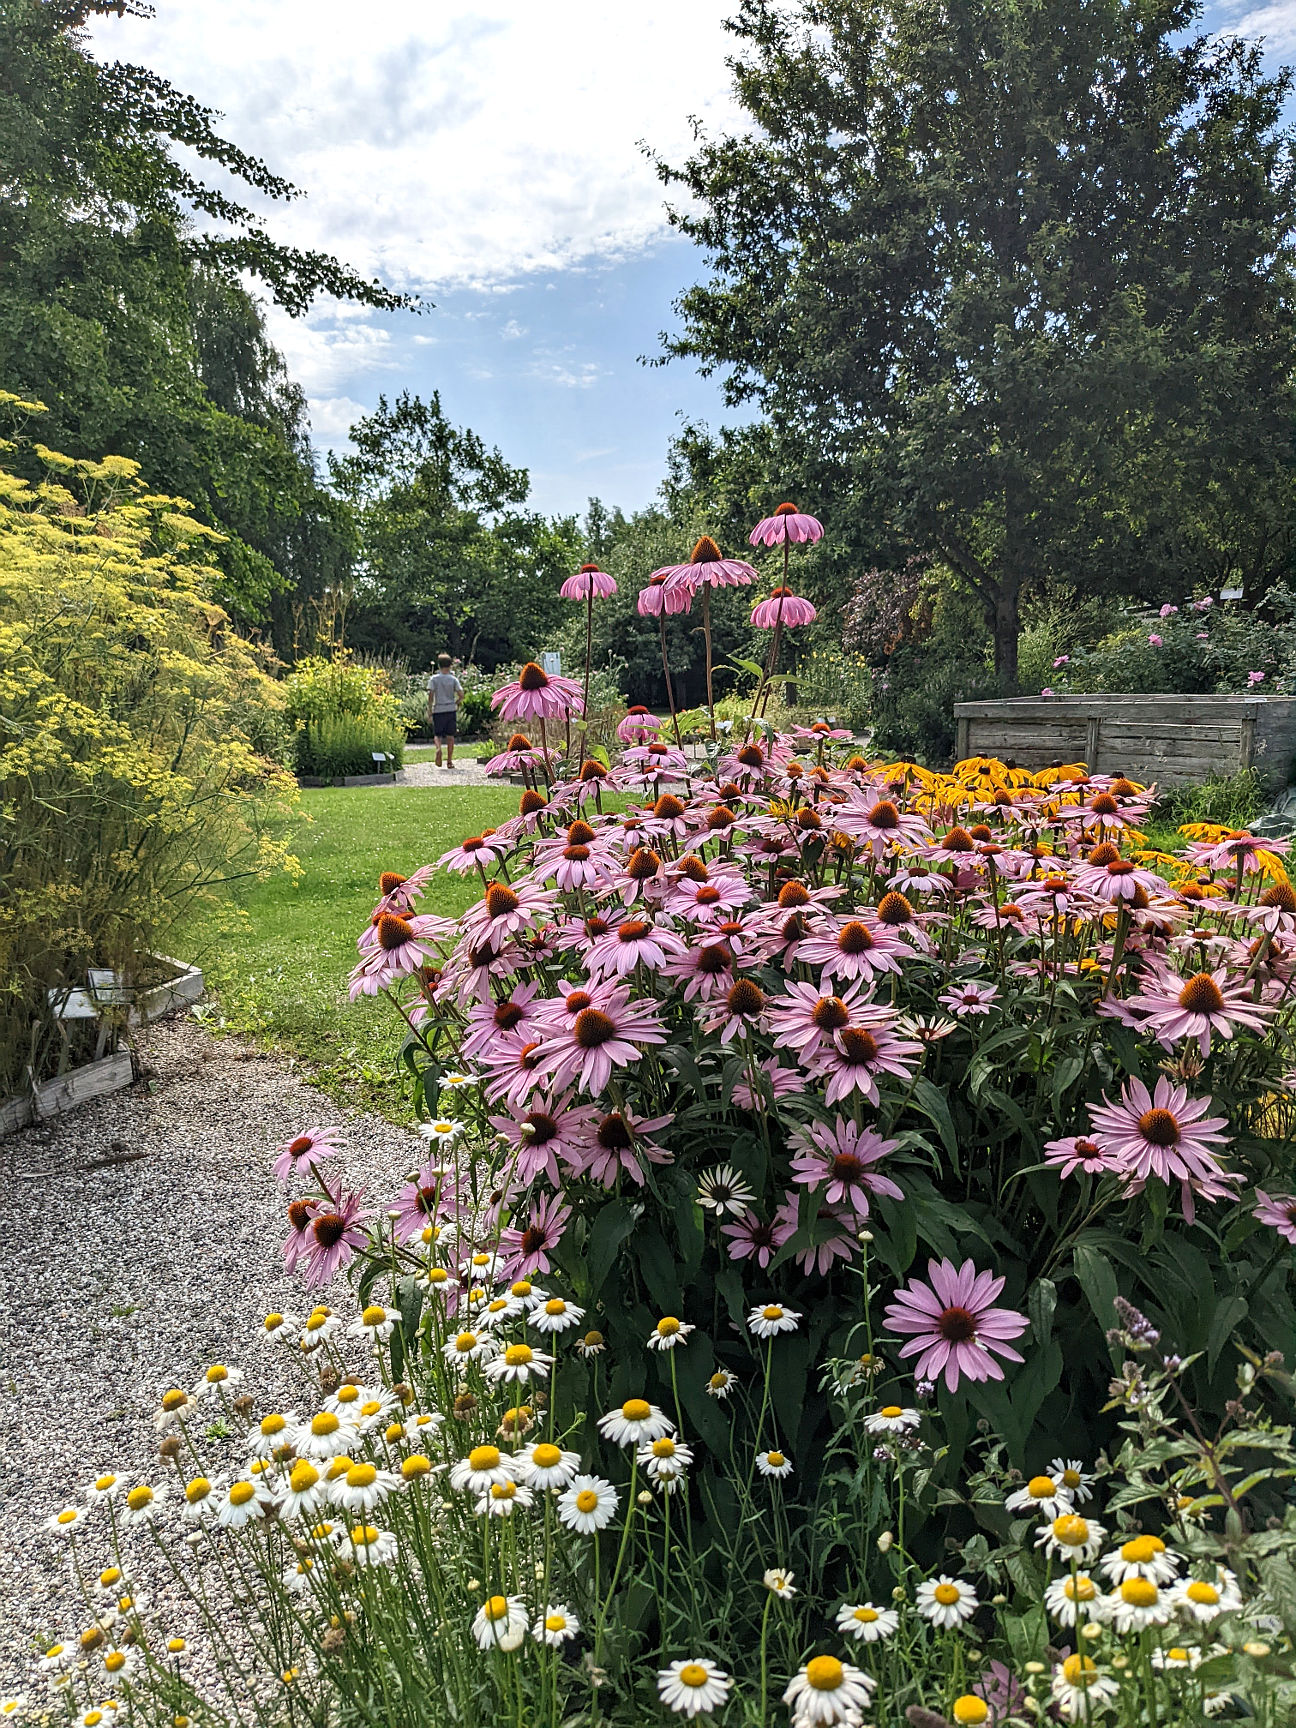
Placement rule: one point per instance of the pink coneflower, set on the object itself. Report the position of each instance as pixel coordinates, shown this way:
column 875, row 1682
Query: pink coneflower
column 658, row 599
column 751, row 1239
column 477, row 852
column 309, row 1147
column 1165, row 1134
column 620, row 1144
column 588, row 583
column 1279, row 1212
column 1120, row 881
column 859, row 1053
column 638, row 726
column 832, row 1235
column 335, row 1233
column 1154, row 641
column 1236, row 851
column 514, row 1068
column 839, row 1157
column 401, row 947
column 538, row 696
column 740, row 1013
column 782, row 608
column 879, row 823
column 953, row 1325
column 550, row 1129
column 775, row 1082
column 419, row 1201
column 969, row 999
column 1254, row 678
column 1195, row 1007
column 632, row 942
column 852, row 949
column 706, row 969
column 504, row 911
column 707, row 568
column 518, row 754
column 527, row 1249
column 518, row 1012
column 716, row 897
column 1080, row 1152
column 804, row 1018
column 787, row 524
column 600, row 1039
column 300, row 1213
column 399, row 893
column 579, row 867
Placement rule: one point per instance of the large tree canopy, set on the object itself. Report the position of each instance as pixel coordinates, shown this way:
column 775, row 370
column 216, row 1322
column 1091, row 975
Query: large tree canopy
column 1021, row 269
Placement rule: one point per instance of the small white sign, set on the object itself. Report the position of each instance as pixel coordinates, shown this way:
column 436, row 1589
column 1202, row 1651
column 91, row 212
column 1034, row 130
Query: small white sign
column 379, row 755
column 552, row 664
column 106, row 987
column 72, row 1005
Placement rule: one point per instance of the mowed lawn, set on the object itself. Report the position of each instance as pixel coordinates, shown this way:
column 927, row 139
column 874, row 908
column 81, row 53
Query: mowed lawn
column 276, row 959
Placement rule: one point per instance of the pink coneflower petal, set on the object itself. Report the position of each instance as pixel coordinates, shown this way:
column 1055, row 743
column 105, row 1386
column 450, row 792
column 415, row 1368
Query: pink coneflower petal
column 952, row 1324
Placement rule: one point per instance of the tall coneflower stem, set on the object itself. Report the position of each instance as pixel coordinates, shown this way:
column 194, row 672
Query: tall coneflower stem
column 670, row 688
column 589, row 649
column 775, row 643
column 706, row 635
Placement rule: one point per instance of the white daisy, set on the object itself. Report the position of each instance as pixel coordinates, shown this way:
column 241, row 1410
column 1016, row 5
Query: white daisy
column 14, row 1706
column 119, row 1665
column 417, row 1466
column 346, row 1400
column 97, row 1716
column 104, row 1486
column 241, row 1503
column 503, row 1499
column 665, row 1459
column 324, row 1436
column 592, row 1343
column 57, row 1657
column 892, row 1419
column 668, row 1332
column 482, row 1469
column 588, row 1504
column 320, row 1325
column 555, row 1315
column 142, row 1505
column 1072, row 1538
column 725, row 1189
column 1142, row 1557
column 1068, row 1598
column 500, row 1310
column 1081, row 1689
column 375, row 1322
column 528, row 1294
column 499, row 1621
column 442, row 1132
column 1137, row 1603
column 218, row 1380
column 635, row 1422
column 469, row 1346
column 779, row 1583
column 110, row 1582
column 545, row 1465
column 423, row 1424
column 297, row 1577
column 773, row 1318
column 202, row 1495
column 721, row 1384
column 70, row 1521
column 518, row 1364
column 273, row 1436
column 453, row 1082
column 1204, row 1602
column 693, row 1688
column 555, row 1625
column 176, row 1405
column 363, row 1488
column 946, row 1601
column 372, row 1413
column 1182, row 1656
column 827, row 1691
column 1040, row 1496
column 774, row 1463
column 367, row 1545
column 305, row 1493
column 1071, row 1474
column 867, row 1623
column 277, row 1328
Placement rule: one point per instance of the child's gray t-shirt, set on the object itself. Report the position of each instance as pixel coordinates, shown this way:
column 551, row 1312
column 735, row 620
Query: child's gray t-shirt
column 444, row 689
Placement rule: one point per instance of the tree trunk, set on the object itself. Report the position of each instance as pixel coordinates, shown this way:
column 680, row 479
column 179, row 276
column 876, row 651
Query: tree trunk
column 1007, row 628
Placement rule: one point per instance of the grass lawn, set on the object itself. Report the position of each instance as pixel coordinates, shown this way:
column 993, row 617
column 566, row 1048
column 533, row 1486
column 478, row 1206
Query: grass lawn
column 277, row 959
column 476, row 750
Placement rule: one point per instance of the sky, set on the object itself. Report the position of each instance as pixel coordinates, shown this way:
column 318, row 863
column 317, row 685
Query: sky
column 490, row 159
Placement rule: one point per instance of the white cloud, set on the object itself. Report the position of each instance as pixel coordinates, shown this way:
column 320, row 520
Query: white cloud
column 512, row 331
column 332, row 418
column 1276, row 23
column 330, row 347
column 458, row 149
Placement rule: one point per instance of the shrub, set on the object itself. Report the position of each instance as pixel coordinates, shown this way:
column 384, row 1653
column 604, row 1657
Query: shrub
column 130, row 712
column 339, row 744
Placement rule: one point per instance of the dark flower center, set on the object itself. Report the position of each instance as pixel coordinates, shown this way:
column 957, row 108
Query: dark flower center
column 1088, row 1148
column 847, row 1167
column 1121, row 867
column 958, row 840
column 613, row 1135
column 830, row 1014
column 721, row 817
column 299, row 1214
column 596, row 926
column 1104, row 854
column 577, row 854
column 578, row 999
column 534, row 1238
column 884, row 815
column 389, row 881
column 786, row 510
column 507, row 1014
column 1159, row 1127
column 393, row 932
column 501, row 900
column 745, row 998
column 691, row 865
column 981, row 833
column 579, row 834
column 529, row 1056
column 633, row 930
column 302, row 1143
column 706, row 552
column 956, row 1326
column 859, row 1045
column 540, row 1127
column 1202, row 995
column 807, row 818
column 593, row 1028
column 533, row 677
column 714, row 959
column 329, row 1230
column 1280, row 895
column 752, row 756
column 793, row 894
column 853, row 938
column 759, row 1235
column 707, row 895
column 593, row 770
column 519, row 741
column 893, row 908
column 587, row 569
column 1104, row 805
column 668, row 807
column 530, row 802
column 643, row 866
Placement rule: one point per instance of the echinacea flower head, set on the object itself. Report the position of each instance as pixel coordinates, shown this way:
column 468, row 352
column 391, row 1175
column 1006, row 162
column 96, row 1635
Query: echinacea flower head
column 538, row 695
column 636, row 1422
column 867, row 1623
column 827, row 1692
column 1278, row 1211
column 782, row 608
column 1198, row 1007
column 946, row 1601
column 693, row 1688
column 707, row 568
column 954, row 1327
column 588, row 583
column 333, row 1236
column 311, row 1146
column 787, row 526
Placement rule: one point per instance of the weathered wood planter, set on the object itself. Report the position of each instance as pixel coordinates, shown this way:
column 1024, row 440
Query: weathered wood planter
column 347, row 780
column 1174, row 740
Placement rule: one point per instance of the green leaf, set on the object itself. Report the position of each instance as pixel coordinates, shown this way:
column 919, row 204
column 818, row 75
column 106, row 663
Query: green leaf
column 1228, row 1316
column 935, row 1107
column 1096, row 1278
column 1041, row 1304
column 614, row 1223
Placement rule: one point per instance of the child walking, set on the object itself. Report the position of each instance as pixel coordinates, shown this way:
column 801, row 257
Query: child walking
column 445, row 693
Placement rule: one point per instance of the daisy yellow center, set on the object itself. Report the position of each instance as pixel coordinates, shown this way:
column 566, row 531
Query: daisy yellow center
column 1139, row 1593
column 663, row 1448
column 364, row 1535
column 865, row 1616
column 1041, row 1488
column 1071, row 1530
column 693, row 1674
column 971, row 1711
column 718, row 1381
column 197, row 1490
column 586, row 1500
column 415, row 1466
column 175, row 1645
column 115, row 1661
column 324, row 1424
column 521, row 1288
column 241, row 1493
column 555, row 1306
column 68, row 1515
column 496, row 1608
column 1079, row 1671
column 273, row 1322
column 775, row 1460
column 1071, row 1479
column 1206, row 1594
column 361, row 1476
column 104, row 1483
column 668, row 1327
column 217, row 1373
column 93, row 1718
column 273, row 1424
column 304, row 1475
column 374, row 1315
column 947, row 1594
column 503, row 1490
column 891, row 1411
column 545, row 1456
column 1140, row 1549
column 518, row 1355
column 139, row 1498
column 636, row 1410
column 773, row 1312
column 484, row 1458
column 437, row 1275
column 175, row 1399
column 111, row 1575
column 825, row 1673
column 466, row 1341
column 348, row 1394
column 1177, row 1653
column 338, row 1468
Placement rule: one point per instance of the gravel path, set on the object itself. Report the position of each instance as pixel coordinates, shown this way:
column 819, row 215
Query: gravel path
column 139, row 1242
column 466, row 772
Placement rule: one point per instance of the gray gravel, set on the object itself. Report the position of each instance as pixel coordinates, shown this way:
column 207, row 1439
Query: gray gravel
column 139, row 1241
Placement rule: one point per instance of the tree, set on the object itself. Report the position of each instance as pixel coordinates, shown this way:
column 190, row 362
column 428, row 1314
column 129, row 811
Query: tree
column 1022, row 270
column 449, row 556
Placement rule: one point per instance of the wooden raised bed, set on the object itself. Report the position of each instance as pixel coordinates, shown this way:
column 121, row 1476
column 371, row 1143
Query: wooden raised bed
column 1174, row 740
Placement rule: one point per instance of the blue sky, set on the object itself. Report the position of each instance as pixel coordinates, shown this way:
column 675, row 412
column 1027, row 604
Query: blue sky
column 487, row 155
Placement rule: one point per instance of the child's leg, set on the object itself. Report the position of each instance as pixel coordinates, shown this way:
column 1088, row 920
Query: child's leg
column 449, row 749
